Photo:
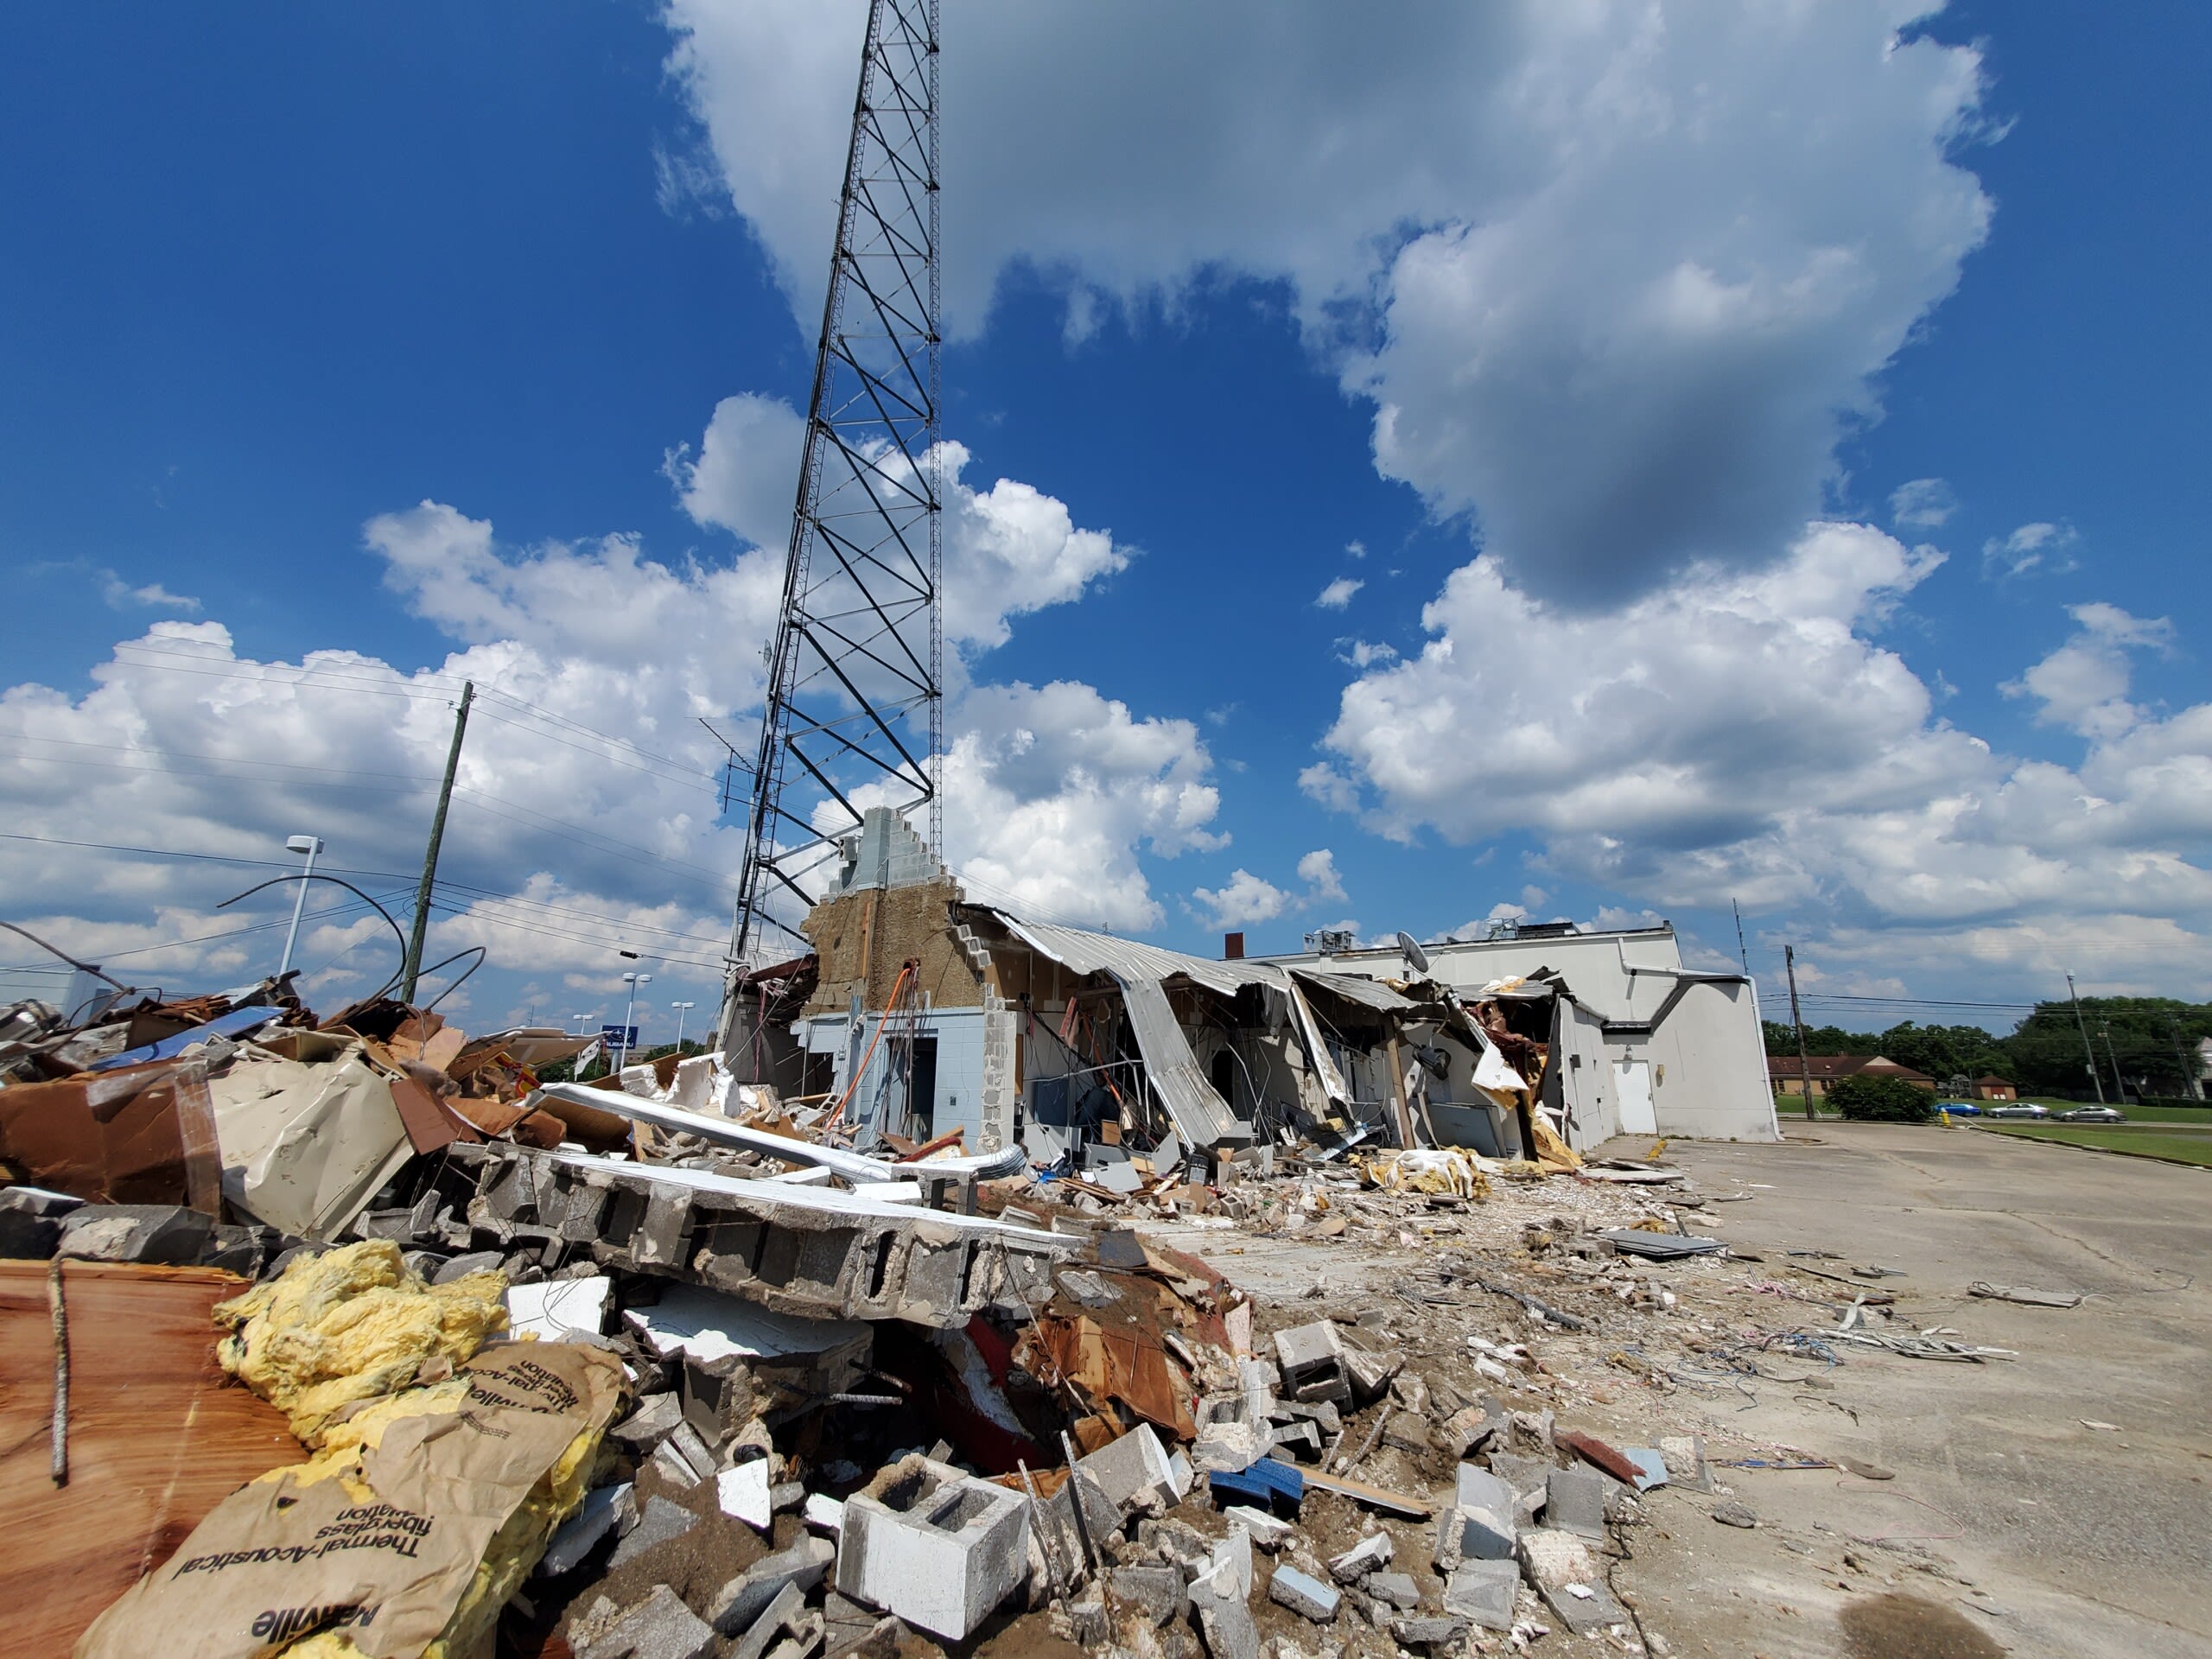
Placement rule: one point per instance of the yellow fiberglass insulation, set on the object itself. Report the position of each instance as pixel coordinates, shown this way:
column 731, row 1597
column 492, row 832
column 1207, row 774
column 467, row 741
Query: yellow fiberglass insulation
column 351, row 1324
column 514, row 1549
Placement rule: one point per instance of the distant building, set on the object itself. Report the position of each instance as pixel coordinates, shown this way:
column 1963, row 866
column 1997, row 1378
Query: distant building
column 1785, row 1073
column 1994, row 1088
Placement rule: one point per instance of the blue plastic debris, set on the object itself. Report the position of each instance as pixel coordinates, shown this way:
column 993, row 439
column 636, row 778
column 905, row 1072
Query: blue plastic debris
column 1267, row 1485
column 236, row 1023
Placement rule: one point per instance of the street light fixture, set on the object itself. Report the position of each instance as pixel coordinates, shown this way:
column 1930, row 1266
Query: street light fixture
column 310, row 845
column 629, row 1013
column 682, row 1008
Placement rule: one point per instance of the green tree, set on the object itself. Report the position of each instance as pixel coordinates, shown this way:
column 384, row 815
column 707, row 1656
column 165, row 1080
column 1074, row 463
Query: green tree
column 1881, row 1100
column 1946, row 1051
column 1782, row 1039
column 2152, row 1039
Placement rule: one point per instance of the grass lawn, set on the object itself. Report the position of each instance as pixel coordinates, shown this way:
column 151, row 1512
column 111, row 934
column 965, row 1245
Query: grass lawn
column 2178, row 1145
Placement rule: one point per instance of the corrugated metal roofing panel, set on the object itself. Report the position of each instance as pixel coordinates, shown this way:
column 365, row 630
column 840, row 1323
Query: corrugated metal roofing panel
column 1201, row 1116
column 1086, row 952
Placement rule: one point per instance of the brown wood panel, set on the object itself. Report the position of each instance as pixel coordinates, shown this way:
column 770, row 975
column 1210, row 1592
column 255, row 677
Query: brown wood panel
column 157, row 1437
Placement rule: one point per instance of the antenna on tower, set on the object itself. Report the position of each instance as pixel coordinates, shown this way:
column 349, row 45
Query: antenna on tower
column 853, row 716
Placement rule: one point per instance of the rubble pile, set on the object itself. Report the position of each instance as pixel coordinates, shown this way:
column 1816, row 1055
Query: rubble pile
column 668, row 1365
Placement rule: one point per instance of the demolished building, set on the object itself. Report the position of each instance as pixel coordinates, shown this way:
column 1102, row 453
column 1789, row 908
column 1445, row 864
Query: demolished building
column 921, row 1015
column 1642, row 1045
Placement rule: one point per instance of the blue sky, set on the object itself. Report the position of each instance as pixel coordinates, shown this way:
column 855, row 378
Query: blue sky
column 408, row 335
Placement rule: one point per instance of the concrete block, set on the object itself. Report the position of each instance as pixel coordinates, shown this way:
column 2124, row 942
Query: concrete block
column 1156, row 1592
column 1685, row 1459
column 1483, row 1591
column 823, row 1513
column 1307, row 1349
column 1268, row 1533
column 600, row 1513
column 1304, row 1594
column 1179, row 1543
column 938, row 1549
column 1474, row 1536
column 1060, row 1543
column 1397, row 1588
column 1225, row 1624
column 1428, row 1632
column 1369, row 1375
column 660, row 1627
column 1303, row 1439
column 658, row 1522
column 1229, row 1448
column 164, row 1234
column 743, row 1599
column 1134, row 1472
column 1575, row 1503
column 1370, row 1554
column 1181, row 1473
column 1323, row 1415
column 743, row 1494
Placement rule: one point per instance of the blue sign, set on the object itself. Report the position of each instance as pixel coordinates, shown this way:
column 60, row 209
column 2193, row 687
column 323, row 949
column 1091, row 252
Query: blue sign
column 622, row 1037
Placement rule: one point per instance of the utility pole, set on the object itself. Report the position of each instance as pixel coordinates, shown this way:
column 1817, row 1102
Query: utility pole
column 1804, row 1063
column 2118, row 1088
column 2191, row 1085
column 431, row 857
column 2095, row 1081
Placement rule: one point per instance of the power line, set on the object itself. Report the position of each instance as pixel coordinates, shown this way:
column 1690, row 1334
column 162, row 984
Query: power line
column 212, row 858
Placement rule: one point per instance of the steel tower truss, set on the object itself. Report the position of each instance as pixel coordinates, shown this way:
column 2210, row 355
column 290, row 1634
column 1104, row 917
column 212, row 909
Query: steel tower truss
column 854, row 714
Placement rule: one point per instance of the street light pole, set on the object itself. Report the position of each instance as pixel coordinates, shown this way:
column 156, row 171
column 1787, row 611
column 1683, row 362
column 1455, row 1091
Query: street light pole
column 682, row 1008
column 310, row 845
column 2095, row 1081
column 629, row 1013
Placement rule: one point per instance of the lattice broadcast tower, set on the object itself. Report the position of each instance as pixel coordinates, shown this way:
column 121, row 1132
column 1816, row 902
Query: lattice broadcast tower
column 855, row 711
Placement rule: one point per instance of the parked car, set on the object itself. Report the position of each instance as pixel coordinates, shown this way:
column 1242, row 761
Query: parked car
column 2018, row 1109
column 2092, row 1115
column 1958, row 1108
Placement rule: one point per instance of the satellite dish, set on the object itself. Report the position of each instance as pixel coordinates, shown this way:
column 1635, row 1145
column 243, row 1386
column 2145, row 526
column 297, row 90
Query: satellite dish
column 1416, row 957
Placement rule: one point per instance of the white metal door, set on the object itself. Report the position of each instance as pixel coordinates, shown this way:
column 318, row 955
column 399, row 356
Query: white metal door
column 1632, row 1082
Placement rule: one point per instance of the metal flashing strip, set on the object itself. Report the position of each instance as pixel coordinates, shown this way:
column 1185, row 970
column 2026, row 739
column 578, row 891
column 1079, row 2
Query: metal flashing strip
column 1201, row 1116
column 854, row 1166
column 1309, row 1031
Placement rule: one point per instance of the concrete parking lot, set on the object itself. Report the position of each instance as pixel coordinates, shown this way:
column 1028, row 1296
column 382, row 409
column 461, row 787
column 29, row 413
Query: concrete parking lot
column 2059, row 1497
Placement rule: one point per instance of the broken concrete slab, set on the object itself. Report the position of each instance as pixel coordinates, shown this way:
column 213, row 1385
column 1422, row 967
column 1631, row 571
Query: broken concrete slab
column 1225, row 1624
column 1230, row 1448
column 556, row 1310
column 1565, row 1573
column 163, row 1235
column 1398, row 1589
column 812, row 1252
column 1268, row 1533
column 1428, row 1632
column 600, row 1513
column 659, row 1627
column 659, row 1520
column 784, row 1612
column 741, row 1601
column 653, row 1422
column 1575, row 1502
column 1482, row 1590
column 1158, row 1592
column 744, row 1494
column 1370, row 1554
column 934, row 1546
column 1304, row 1594
column 1229, row 1566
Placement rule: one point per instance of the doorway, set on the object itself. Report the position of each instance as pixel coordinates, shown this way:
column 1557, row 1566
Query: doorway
column 1223, row 1076
column 1632, row 1078
column 921, row 1090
